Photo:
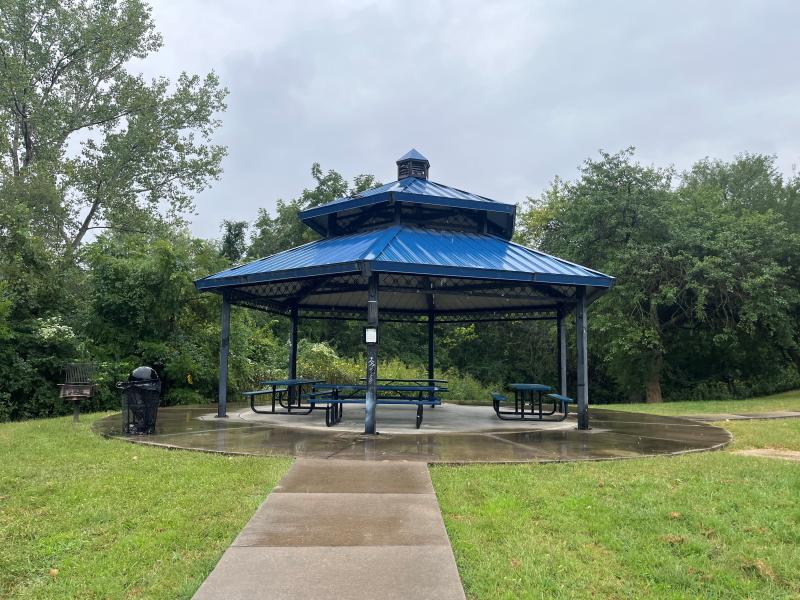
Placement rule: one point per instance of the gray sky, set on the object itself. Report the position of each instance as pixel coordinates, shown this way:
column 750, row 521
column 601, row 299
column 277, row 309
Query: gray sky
column 500, row 96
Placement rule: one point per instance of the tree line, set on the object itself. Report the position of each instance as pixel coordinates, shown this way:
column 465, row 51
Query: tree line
column 98, row 169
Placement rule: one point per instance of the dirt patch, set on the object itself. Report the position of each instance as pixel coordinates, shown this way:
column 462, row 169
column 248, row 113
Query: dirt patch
column 771, row 453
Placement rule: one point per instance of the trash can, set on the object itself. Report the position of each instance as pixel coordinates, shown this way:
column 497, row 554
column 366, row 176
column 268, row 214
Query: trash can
column 141, row 395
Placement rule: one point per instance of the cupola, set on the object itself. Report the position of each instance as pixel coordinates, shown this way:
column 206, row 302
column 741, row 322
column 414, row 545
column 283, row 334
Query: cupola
column 412, row 164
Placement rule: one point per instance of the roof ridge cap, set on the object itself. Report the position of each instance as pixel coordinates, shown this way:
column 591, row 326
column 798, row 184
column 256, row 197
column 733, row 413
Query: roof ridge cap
column 383, row 241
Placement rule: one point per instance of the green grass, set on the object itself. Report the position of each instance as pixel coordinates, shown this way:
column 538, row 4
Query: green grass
column 116, row 520
column 783, row 434
column 711, row 525
column 776, row 402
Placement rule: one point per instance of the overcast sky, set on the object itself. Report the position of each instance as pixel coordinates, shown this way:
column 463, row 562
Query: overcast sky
column 499, row 96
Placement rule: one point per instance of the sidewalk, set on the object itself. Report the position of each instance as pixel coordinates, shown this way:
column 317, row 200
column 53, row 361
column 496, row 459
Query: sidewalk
column 341, row 529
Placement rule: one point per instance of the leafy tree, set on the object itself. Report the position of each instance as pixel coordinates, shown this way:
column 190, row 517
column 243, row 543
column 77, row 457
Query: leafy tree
column 284, row 230
column 234, row 242
column 693, row 267
column 65, row 83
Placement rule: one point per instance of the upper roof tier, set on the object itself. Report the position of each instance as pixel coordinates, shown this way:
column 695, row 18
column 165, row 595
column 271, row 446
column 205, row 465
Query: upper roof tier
column 414, row 200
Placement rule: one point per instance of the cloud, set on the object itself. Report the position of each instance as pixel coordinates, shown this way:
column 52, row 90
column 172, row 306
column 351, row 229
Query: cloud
column 500, row 96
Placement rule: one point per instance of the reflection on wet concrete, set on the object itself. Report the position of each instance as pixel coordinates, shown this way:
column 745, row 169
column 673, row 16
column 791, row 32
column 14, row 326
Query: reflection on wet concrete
column 614, row 435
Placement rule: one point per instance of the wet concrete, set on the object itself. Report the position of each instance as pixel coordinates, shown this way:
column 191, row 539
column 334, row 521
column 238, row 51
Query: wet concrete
column 318, row 537
column 613, row 435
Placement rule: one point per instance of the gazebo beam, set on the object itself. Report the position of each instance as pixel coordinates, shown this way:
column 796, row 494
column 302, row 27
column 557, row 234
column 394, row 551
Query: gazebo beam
column 582, row 360
column 224, row 348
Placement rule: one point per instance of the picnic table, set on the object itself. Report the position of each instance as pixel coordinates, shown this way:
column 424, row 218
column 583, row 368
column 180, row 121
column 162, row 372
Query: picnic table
column 392, row 393
column 532, row 395
column 287, row 393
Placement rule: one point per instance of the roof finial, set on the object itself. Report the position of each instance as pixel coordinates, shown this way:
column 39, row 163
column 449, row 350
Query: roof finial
column 412, row 164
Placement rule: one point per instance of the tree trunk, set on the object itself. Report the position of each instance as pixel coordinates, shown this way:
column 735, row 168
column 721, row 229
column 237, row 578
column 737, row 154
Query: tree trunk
column 653, row 388
column 794, row 354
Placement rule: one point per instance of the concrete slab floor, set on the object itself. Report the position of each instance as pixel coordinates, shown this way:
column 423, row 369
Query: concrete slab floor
column 613, row 435
column 310, row 540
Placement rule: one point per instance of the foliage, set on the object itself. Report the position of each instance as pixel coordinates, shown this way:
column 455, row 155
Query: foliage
column 85, row 145
column 116, row 520
column 274, row 234
column 64, row 84
column 706, row 271
column 234, row 241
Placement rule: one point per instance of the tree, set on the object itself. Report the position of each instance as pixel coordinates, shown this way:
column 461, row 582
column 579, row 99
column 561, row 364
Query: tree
column 284, row 230
column 234, row 242
column 700, row 272
column 145, row 147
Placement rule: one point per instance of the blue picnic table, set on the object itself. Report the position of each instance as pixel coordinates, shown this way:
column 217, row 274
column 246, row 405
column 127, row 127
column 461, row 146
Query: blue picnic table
column 532, row 395
column 411, row 393
column 287, row 393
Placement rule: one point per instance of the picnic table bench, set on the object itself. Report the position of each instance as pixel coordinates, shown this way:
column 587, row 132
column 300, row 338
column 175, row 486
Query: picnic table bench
column 532, row 395
column 287, row 393
column 388, row 393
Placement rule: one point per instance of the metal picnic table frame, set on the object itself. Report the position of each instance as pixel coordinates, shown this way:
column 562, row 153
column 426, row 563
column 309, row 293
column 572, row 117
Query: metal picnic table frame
column 402, row 394
column 288, row 393
column 531, row 394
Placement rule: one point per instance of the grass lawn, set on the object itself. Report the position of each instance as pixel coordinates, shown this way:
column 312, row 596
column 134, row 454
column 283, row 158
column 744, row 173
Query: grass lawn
column 84, row 517
column 776, row 402
column 783, row 434
column 710, row 525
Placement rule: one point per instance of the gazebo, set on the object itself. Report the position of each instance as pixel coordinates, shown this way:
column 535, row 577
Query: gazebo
column 412, row 251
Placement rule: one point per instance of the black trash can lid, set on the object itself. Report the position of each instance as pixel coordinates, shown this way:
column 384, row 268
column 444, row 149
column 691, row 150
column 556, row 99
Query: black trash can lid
column 143, row 374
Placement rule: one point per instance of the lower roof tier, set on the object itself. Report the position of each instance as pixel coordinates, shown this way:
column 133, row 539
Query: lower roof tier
column 421, row 270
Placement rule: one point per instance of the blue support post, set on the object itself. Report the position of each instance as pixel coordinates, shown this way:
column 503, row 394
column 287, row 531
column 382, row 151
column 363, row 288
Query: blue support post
column 224, row 347
column 562, row 353
column 431, row 373
column 295, row 316
column 372, row 357
column 583, row 369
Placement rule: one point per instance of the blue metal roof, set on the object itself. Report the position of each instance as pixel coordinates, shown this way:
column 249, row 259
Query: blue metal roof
column 413, row 154
column 413, row 190
column 405, row 249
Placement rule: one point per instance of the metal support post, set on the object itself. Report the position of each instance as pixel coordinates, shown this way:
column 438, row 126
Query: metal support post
column 224, row 348
column 372, row 356
column 562, row 353
column 583, row 369
column 431, row 374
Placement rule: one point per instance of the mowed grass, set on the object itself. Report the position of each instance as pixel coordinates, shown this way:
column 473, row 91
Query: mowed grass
column 710, row 525
column 787, row 401
column 781, row 434
column 85, row 517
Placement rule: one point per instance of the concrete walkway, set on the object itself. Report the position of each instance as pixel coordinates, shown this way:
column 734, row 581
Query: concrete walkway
column 341, row 529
